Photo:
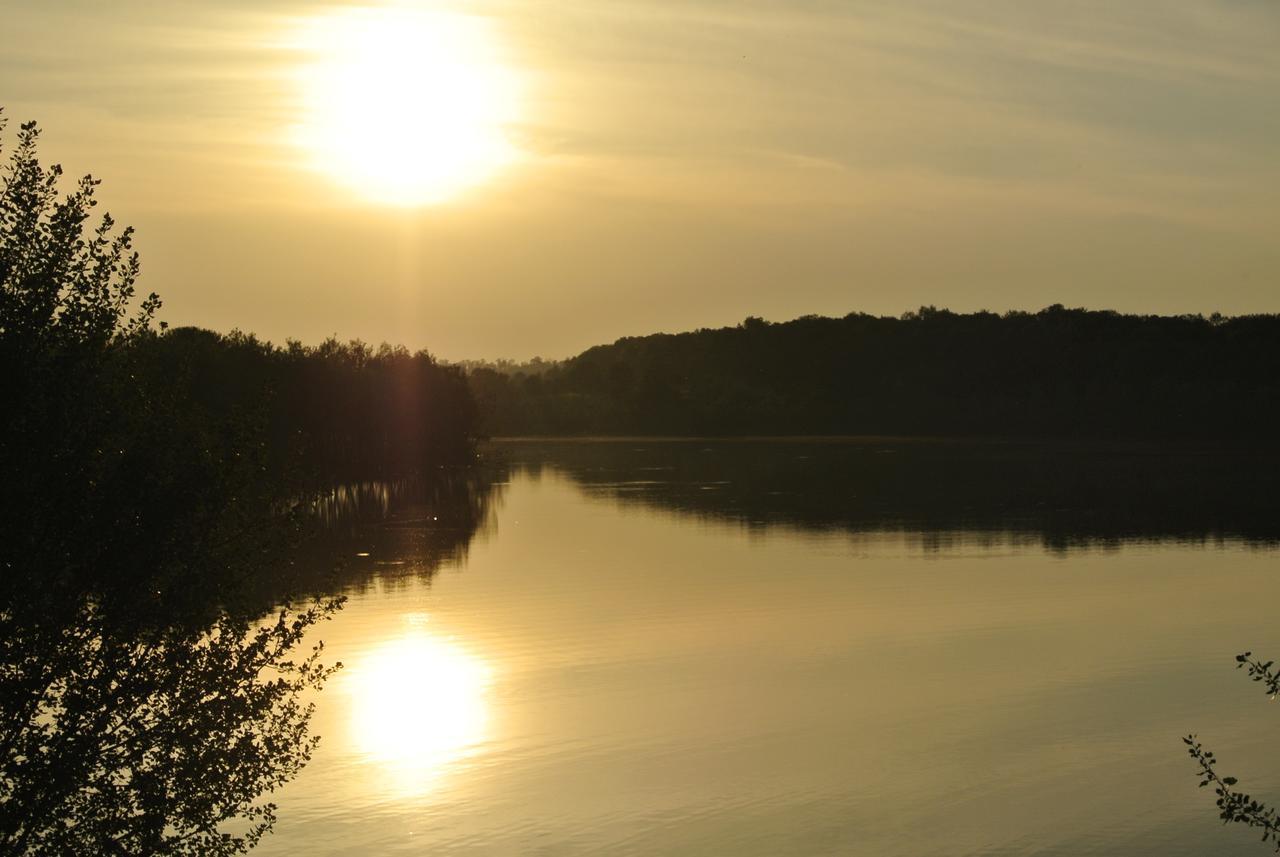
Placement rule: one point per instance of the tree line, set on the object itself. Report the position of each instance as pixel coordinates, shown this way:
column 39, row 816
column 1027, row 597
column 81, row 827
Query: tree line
column 328, row 413
column 1056, row 373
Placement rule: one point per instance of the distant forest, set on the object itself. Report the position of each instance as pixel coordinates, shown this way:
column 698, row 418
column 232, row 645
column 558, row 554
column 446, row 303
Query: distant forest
column 1056, row 373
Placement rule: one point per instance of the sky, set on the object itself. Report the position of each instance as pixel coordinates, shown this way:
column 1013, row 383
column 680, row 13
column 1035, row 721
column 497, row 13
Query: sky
column 662, row 166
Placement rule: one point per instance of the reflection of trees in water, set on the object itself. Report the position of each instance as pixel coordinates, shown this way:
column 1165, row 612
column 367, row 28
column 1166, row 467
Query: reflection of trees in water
column 942, row 493
column 455, row 498
column 131, row 728
column 384, row 531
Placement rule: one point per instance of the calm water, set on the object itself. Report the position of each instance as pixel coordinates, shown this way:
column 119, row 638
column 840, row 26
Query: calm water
column 800, row 649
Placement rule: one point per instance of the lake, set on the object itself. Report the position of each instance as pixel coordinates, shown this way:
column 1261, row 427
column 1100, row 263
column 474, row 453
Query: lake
column 802, row 648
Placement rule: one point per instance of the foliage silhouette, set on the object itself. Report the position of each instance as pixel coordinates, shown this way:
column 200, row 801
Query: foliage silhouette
column 1236, row 806
column 155, row 741
column 1057, row 373
column 327, row 414
column 139, row 713
column 160, row 484
column 63, row 288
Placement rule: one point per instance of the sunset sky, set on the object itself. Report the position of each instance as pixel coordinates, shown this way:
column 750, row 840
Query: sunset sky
column 597, row 168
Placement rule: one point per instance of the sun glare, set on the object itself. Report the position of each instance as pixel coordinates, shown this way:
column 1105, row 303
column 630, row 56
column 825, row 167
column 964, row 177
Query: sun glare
column 405, row 106
column 419, row 704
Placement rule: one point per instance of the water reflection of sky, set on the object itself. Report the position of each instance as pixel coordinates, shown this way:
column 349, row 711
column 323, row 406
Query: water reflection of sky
column 609, row 678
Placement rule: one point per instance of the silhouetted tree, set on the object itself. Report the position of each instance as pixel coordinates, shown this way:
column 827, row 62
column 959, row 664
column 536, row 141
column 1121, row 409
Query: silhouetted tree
column 145, row 708
column 62, row 288
column 155, row 740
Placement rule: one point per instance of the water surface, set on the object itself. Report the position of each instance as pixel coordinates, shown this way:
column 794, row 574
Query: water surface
column 811, row 649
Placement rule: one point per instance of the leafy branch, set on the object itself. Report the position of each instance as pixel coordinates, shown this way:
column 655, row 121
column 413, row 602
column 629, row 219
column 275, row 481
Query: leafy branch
column 1259, row 671
column 1233, row 806
column 1237, row 806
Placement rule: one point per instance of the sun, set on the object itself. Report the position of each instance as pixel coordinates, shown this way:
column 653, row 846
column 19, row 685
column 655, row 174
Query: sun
column 405, row 106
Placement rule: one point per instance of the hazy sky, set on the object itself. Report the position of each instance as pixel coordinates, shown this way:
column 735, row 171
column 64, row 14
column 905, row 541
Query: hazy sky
column 679, row 165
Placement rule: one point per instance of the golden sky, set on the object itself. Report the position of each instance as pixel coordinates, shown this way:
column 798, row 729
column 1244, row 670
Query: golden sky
column 663, row 165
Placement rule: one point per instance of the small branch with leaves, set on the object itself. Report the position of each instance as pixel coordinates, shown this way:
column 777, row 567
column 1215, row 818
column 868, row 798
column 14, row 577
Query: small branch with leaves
column 1233, row 806
column 1237, row 806
column 1259, row 671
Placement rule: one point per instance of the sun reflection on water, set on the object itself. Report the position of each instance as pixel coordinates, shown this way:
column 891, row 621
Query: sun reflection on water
column 419, row 705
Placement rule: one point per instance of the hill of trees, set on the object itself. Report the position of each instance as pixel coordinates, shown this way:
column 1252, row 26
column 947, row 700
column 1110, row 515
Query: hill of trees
column 1060, row 373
